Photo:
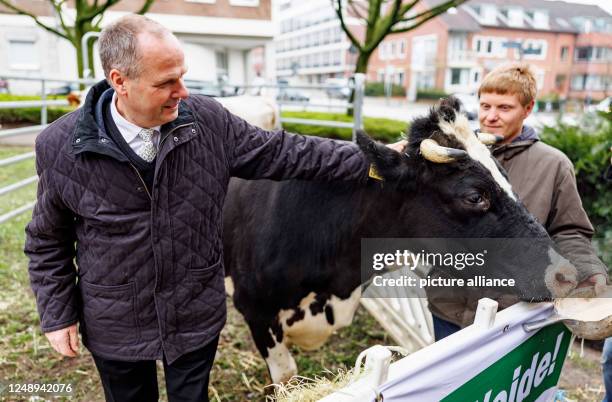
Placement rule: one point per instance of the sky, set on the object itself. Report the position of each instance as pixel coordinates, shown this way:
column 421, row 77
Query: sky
column 605, row 4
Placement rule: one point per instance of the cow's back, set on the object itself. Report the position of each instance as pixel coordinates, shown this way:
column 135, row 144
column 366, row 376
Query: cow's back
column 283, row 240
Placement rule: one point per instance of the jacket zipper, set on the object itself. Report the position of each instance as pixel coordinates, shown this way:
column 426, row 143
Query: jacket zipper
column 142, row 181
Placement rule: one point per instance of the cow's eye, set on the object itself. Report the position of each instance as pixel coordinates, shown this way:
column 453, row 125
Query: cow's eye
column 475, row 199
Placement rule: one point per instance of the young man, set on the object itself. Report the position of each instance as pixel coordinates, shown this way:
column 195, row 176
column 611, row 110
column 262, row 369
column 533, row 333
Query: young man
column 542, row 176
column 132, row 186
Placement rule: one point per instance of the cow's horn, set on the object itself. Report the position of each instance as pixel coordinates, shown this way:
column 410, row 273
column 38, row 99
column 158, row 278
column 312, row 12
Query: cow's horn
column 490, row 139
column 433, row 152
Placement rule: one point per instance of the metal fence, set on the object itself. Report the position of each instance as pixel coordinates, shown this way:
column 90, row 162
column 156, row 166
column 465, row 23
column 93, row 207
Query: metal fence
column 288, row 97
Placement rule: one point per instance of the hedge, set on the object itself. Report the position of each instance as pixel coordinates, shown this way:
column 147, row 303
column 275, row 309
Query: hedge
column 30, row 115
column 385, row 130
column 431, row 93
column 588, row 147
column 378, row 89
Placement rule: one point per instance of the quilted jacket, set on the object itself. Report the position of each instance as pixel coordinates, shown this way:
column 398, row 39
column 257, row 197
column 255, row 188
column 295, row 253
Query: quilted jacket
column 142, row 271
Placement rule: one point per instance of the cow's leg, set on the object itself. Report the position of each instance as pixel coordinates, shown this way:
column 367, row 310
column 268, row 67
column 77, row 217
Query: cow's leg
column 269, row 339
column 281, row 364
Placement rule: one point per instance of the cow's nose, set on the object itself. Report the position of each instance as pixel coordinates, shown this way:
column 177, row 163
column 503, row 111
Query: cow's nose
column 561, row 277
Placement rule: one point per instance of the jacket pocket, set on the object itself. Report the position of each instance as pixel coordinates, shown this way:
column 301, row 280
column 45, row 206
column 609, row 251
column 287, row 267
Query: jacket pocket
column 206, row 294
column 204, row 275
column 109, row 313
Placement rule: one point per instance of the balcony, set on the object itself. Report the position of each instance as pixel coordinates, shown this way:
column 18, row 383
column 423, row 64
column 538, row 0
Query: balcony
column 461, row 57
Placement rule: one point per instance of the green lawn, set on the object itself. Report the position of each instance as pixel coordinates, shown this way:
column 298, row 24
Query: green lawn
column 385, row 130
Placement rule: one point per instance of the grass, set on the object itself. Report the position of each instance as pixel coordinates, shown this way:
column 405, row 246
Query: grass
column 239, row 372
column 385, row 130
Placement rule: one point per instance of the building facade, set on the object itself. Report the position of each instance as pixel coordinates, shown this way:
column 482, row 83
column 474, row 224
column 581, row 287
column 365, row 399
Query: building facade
column 310, row 44
column 568, row 45
column 218, row 36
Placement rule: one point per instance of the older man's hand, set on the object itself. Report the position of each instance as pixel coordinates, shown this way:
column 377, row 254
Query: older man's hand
column 398, row 146
column 65, row 341
column 597, row 281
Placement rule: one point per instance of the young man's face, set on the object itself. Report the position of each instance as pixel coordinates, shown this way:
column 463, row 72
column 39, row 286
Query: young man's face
column 152, row 98
column 502, row 114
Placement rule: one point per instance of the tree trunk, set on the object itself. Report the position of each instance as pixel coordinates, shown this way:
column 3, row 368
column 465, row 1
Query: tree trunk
column 79, row 56
column 361, row 66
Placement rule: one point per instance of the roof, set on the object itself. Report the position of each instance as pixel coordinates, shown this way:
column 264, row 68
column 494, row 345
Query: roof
column 562, row 16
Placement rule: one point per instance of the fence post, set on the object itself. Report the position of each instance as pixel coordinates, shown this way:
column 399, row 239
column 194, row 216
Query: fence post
column 485, row 313
column 359, row 81
column 43, row 97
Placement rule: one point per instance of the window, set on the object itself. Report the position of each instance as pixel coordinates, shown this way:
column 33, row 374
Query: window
column 400, row 78
column 490, row 46
column 564, row 52
column 592, row 53
column 402, row 49
column 221, row 63
column 23, row 54
column 455, row 76
column 535, row 49
column 583, row 53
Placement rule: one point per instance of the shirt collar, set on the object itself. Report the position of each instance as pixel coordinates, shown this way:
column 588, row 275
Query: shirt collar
column 128, row 130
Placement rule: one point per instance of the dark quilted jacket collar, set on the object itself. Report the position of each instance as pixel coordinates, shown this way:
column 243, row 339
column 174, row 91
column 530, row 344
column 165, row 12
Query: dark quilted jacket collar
column 89, row 134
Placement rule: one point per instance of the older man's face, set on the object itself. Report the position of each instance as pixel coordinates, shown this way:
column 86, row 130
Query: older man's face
column 153, row 97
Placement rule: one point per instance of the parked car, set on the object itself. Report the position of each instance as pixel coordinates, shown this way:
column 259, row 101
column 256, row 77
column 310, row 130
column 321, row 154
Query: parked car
column 290, row 94
column 209, row 88
column 603, row 106
column 64, row 89
column 469, row 105
column 338, row 88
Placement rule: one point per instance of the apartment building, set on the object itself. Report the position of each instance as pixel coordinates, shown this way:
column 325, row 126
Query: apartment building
column 310, row 44
column 222, row 39
column 569, row 45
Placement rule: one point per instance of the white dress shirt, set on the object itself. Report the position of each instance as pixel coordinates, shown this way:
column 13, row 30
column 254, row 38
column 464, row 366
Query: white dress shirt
column 129, row 130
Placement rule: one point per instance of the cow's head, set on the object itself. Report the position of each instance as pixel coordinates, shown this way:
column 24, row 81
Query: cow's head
column 457, row 189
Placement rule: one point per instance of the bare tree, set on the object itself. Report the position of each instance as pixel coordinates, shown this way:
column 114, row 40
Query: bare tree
column 382, row 18
column 87, row 18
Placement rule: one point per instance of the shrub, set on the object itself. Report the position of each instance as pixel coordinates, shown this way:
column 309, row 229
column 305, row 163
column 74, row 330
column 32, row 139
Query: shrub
column 378, row 89
column 431, row 93
column 30, row 115
column 385, row 130
column 588, row 147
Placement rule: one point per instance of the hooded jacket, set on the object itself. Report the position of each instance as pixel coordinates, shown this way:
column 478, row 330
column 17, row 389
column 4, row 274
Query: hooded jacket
column 142, row 271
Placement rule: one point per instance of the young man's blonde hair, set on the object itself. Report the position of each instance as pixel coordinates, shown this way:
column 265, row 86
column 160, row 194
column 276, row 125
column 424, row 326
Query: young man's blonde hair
column 514, row 78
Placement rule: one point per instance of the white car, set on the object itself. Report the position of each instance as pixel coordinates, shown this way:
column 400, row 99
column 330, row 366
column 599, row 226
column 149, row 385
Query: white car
column 603, row 106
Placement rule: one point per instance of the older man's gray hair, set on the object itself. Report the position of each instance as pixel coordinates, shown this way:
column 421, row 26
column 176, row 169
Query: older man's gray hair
column 118, row 44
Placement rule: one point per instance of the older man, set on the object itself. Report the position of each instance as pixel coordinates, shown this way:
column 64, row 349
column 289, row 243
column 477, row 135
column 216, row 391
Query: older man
column 541, row 175
column 132, row 186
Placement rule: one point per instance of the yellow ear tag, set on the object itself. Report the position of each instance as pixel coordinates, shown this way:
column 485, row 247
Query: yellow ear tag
column 373, row 173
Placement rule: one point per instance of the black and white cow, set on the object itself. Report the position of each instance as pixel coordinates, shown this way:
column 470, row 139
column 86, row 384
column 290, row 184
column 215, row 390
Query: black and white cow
column 293, row 248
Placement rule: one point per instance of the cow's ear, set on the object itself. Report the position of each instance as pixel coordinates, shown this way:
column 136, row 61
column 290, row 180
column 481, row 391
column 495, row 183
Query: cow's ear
column 388, row 162
column 450, row 102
